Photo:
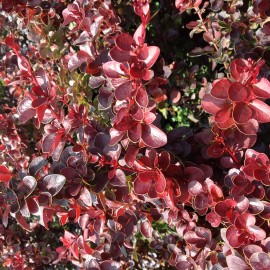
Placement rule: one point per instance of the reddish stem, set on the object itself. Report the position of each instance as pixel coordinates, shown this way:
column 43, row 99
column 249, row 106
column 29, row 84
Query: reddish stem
column 198, row 11
column 127, row 169
column 232, row 154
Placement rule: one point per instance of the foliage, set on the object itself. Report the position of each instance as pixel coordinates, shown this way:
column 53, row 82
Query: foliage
column 107, row 158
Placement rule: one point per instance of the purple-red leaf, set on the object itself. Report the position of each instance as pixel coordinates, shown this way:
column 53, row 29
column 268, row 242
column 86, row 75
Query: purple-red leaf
column 237, row 92
column 262, row 88
column 153, row 136
column 220, row 89
column 123, row 91
column 124, row 42
column 146, row 229
column 54, row 183
column 5, row 174
column 260, row 261
column 236, row 263
column 261, row 111
column 211, row 104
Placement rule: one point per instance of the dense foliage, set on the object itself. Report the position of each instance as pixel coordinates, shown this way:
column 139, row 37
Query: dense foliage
column 107, row 158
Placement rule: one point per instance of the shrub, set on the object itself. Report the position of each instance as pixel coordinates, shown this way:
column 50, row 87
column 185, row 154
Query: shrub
column 108, row 160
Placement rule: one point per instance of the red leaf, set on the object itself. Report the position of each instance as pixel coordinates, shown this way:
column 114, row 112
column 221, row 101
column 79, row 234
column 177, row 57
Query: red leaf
column 113, row 69
column 153, row 136
column 249, row 128
column 262, row 88
column 215, row 150
column 119, row 55
column 142, row 97
column 242, row 113
column 116, row 136
column 140, row 187
column 220, row 89
column 149, row 117
column 137, row 72
column 153, row 54
column 39, row 101
column 124, row 42
column 139, row 35
column 236, row 263
column 22, row 222
column 194, row 188
column 26, row 110
column 135, row 133
column 211, row 104
column 237, row 69
column 50, row 142
column 10, row 42
column 234, row 237
column 146, row 229
column 261, row 111
column 5, row 174
column 237, row 92
column 119, row 179
column 54, row 183
column 123, row 91
column 213, row 219
column 260, row 261
column 78, row 59
column 160, row 183
column 222, row 116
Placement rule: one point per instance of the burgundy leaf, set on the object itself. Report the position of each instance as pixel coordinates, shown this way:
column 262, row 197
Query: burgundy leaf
column 112, row 69
column 78, row 59
column 26, row 110
column 22, row 222
column 211, row 104
column 140, row 187
column 119, row 55
column 146, row 229
column 262, row 88
column 137, row 72
column 237, row 92
column 242, row 113
column 116, row 136
column 5, row 174
column 220, row 89
column 135, row 133
column 213, row 219
column 109, row 265
column 27, row 186
column 36, row 165
column 123, row 91
column 251, row 249
column 124, row 42
column 153, row 54
column 153, row 136
column 236, row 263
column 260, row 261
column 194, row 188
column 119, row 179
column 54, row 183
column 234, row 237
column 142, row 97
column 261, row 111
column 250, row 127
column 223, row 115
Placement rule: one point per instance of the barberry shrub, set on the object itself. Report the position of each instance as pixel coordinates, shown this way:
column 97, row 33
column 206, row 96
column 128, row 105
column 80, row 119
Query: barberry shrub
column 108, row 159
